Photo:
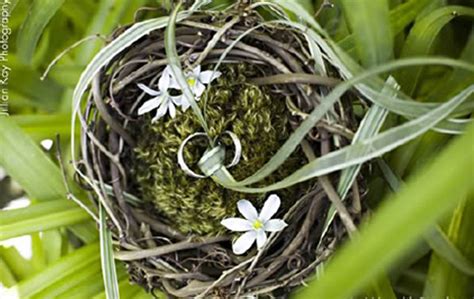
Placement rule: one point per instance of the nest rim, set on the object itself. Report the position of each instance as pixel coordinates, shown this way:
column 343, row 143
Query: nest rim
column 176, row 265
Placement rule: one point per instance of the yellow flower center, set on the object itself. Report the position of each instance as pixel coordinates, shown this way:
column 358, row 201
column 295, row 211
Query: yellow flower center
column 257, row 224
column 191, row 81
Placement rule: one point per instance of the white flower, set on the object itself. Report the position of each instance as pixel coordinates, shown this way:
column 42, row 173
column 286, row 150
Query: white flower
column 196, row 80
column 162, row 99
column 254, row 225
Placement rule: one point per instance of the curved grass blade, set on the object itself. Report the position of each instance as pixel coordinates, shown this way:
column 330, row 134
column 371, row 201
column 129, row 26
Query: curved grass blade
column 400, row 17
column 369, row 127
column 443, row 246
column 436, row 238
column 451, row 270
column 362, row 151
column 40, row 14
column 374, row 44
column 422, row 36
column 299, row 134
column 69, row 282
column 36, row 224
column 27, row 164
column 418, row 205
column 57, row 271
column 174, row 63
column 7, row 279
column 457, row 79
column 109, row 273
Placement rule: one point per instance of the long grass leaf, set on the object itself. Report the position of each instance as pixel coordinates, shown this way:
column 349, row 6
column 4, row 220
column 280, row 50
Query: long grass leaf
column 7, row 279
column 37, row 224
column 19, row 266
column 450, row 272
column 55, row 272
column 175, row 64
column 422, row 36
column 27, row 164
column 69, row 282
column 35, row 210
column 369, row 127
column 347, row 156
column 374, row 44
column 418, row 205
column 107, row 258
column 401, row 16
column 40, row 14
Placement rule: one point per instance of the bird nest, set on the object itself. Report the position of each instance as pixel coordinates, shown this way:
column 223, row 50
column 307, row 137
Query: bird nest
column 166, row 222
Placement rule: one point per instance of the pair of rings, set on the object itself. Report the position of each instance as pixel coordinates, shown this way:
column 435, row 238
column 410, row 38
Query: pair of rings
column 216, row 155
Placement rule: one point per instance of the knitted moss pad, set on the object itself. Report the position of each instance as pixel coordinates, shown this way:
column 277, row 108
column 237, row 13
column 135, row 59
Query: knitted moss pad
column 261, row 121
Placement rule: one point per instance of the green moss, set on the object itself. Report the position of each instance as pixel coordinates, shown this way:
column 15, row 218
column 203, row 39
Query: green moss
column 258, row 118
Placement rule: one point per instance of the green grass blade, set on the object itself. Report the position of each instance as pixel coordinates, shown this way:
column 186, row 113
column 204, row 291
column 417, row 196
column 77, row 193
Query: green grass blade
column 27, row 164
column 55, row 272
column 107, row 258
column 42, row 223
column 40, row 14
column 369, row 127
column 374, row 44
column 401, row 16
column 175, row 64
column 52, row 245
column 7, row 279
column 418, row 205
column 70, row 281
column 458, row 79
column 103, row 22
column 38, row 259
column 45, row 126
column 86, row 232
column 446, row 278
column 85, row 289
column 126, row 289
column 422, row 36
column 19, row 266
column 35, row 210
column 436, row 238
column 362, row 151
column 443, row 246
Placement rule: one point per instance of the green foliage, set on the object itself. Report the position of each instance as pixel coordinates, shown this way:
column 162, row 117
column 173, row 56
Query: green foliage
column 371, row 32
column 417, row 206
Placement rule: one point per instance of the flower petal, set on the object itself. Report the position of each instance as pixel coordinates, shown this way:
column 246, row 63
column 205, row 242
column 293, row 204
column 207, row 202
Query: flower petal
column 270, row 207
column 172, row 109
column 274, row 225
column 247, row 210
column 149, row 105
column 237, row 224
column 244, row 242
column 161, row 111
column 198, row 88
column 197, row 71
column 148, row 90
column 207, row 77
column 164, row 82
column 174, row 84
column 184, row 104
column 177, row 99
column 261, row 238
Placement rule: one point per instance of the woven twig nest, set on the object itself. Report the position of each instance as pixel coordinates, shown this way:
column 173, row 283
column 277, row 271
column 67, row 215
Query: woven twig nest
column 167, row 223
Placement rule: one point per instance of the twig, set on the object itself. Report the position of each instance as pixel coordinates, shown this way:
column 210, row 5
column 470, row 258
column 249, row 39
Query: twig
column 69, row 194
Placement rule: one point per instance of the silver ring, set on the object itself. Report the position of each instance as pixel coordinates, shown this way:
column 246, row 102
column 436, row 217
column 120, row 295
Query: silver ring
column 235, row 159
column 238, row 149
column 181, row 161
